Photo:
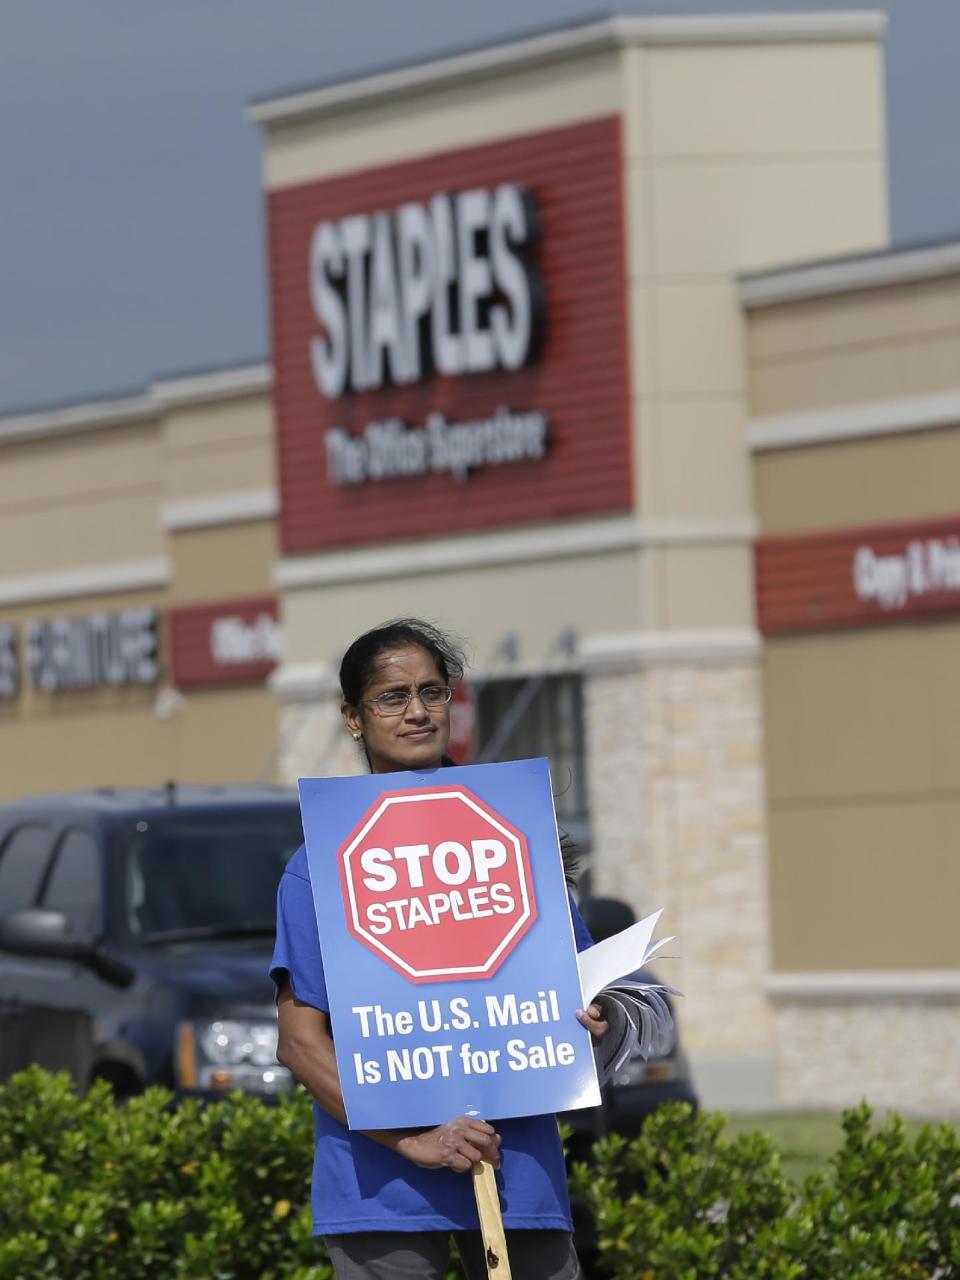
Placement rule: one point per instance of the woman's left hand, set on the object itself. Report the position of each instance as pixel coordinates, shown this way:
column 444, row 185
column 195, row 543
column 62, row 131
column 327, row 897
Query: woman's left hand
column 592, row 1018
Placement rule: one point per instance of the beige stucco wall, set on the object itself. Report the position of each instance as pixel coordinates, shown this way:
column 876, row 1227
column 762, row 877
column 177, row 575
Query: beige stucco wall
column 782, row 159
column 539, row 600
column 114, row 738
column 77, row 500
column 218, row 447
column 223, row 562
column 863, row 755
column 862, row 724
column 851, row 348
column 227, row 735
column 443, row 119
column 696, row 585
column 906, row 476
column 94, row 499
column 738, row 156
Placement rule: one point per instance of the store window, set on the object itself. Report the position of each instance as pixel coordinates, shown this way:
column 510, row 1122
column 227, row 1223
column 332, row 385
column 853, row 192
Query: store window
column 540, row 716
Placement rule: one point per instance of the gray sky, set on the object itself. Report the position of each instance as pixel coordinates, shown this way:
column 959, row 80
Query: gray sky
column 131, row 227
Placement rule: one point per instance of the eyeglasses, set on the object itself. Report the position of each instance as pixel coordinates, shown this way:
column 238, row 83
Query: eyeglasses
column 395, row 701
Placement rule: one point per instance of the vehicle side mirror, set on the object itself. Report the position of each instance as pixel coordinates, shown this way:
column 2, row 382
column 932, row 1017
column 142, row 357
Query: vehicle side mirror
column 33, row 932
column 46, row 935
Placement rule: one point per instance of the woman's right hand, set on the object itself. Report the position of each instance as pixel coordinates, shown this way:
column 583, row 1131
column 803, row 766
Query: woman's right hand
column 459, row 1145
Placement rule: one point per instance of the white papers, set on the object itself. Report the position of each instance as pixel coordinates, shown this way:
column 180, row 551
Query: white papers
column 624, row 953
column 641, row 1023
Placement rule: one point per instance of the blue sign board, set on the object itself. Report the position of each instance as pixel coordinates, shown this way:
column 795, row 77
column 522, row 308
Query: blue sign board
column 447, row 944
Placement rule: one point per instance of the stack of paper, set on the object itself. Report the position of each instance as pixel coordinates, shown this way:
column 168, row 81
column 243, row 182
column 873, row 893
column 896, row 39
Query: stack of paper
column 638, row 1013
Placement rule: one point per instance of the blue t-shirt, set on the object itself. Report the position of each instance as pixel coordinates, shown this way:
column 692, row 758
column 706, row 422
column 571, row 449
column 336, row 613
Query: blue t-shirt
column 359, row 1185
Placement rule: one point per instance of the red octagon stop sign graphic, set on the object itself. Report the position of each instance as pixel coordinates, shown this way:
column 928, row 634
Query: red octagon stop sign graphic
column 438, row 883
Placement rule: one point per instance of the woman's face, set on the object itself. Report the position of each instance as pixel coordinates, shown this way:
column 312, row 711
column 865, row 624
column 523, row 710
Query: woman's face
column 414, row 738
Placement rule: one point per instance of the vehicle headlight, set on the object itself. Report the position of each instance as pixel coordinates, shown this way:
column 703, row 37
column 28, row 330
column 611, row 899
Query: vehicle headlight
column 230, row 1053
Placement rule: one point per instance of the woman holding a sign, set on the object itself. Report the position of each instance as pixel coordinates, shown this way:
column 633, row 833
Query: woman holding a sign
column 387, row 1200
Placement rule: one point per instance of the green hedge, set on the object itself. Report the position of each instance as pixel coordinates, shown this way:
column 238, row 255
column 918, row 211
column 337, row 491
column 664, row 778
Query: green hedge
column 682, row 1202
column 148, row 1191
column 144, row 1191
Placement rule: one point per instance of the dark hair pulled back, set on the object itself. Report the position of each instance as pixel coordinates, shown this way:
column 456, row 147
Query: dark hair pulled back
column 356, row 668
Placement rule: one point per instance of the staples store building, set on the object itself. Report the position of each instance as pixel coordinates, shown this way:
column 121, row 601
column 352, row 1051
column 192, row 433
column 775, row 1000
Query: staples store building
column 509, row 392
column 510, row 396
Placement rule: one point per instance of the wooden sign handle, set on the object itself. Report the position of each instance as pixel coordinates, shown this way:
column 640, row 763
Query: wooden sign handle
column 491, row 1221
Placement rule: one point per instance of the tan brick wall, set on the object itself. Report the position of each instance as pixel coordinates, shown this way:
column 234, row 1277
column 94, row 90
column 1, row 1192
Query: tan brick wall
column 899, row 1053
column 313, row 742
column 678, row 818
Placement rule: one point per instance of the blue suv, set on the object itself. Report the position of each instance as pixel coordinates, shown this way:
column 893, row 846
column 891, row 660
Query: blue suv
column 136, row 928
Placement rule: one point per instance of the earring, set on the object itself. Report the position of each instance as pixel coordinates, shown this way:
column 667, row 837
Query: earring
column 357, row 737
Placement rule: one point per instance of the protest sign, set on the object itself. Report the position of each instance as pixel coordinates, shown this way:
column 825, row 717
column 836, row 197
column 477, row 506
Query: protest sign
column 447, row 944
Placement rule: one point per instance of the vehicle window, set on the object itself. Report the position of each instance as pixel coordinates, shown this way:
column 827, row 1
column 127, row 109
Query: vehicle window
column 210, row 875
column 23, row 860
column 73, row 886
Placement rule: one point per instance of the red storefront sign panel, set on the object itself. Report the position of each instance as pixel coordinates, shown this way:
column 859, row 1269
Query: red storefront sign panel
column 529, row 222
column 854, row 577
column 463, row 724
column 438, row 884
column 230, row 642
